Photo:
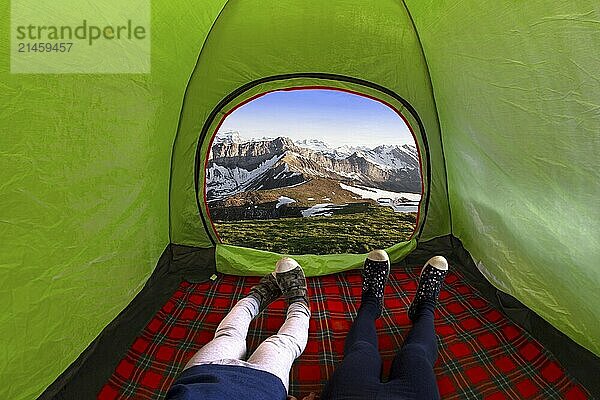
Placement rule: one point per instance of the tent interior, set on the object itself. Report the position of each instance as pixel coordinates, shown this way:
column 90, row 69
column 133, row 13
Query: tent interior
column 113, row 272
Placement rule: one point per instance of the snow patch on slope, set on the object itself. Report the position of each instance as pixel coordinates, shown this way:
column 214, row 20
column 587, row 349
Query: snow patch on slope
column 229, row 181
column 322, row 210
column 284, row 200
column 400, row 202
column 374, row 194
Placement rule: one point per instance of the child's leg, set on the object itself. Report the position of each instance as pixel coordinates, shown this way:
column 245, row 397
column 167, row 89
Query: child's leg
column 278, row 352
column 230, row 337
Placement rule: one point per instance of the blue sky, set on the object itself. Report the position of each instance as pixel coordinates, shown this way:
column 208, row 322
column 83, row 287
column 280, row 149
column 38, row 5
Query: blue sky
column 337, row 118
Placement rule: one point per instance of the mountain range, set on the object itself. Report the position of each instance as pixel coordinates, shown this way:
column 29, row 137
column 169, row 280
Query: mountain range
column 236, row 165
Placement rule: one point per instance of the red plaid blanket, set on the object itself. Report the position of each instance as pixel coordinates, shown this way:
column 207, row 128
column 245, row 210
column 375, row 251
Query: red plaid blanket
column 482, row 355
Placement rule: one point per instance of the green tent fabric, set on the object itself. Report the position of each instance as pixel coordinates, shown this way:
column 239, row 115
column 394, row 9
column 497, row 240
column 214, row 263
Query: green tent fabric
column 98, row 172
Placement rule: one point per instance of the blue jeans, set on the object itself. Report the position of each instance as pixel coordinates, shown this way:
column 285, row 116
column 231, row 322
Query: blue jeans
column 411, row 376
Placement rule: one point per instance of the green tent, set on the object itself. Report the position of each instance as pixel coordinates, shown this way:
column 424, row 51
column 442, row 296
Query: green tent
column 100, row 171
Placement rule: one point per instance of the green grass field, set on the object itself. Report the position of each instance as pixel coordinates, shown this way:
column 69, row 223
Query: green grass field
column 360, row 232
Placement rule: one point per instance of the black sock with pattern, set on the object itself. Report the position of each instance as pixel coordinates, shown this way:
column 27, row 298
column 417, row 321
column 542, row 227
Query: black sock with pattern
column 430, row 285
column 375, row 273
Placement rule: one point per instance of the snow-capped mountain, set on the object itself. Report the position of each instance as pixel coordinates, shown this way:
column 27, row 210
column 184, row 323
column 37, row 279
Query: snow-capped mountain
column 314, row 144
column 236, row 165
column 385, row 156
column 228, row 137
column 235, row 137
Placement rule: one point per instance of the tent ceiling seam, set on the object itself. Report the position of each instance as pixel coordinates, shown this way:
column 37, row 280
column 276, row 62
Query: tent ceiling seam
column 437, row 116
column 187, row 85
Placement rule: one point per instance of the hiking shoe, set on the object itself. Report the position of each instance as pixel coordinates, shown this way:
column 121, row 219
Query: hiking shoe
column 375, row 274
column 291, row 280
column 266, row 291
column 430, row 284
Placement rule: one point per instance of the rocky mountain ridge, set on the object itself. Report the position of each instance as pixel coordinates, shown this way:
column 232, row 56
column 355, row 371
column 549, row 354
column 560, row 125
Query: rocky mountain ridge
column 236, row 165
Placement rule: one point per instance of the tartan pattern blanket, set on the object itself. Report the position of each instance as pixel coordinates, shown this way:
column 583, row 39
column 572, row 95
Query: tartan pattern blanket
column 482, row 355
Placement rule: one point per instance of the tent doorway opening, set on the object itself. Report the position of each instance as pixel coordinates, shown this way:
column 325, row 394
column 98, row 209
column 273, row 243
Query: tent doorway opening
column 313, row 171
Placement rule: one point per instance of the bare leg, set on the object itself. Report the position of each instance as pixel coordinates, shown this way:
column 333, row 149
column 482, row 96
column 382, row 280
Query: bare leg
column 230, row 337
column 278, row 352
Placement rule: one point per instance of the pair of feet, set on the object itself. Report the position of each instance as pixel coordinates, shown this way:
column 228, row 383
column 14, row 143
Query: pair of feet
column 377, row 269
column 288, row 280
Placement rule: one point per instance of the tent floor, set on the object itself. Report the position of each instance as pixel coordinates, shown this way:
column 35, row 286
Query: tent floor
column 482, row 355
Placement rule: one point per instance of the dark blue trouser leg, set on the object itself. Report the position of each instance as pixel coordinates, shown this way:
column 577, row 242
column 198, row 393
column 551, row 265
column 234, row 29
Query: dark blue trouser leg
column 363, row 327
column 358, row 375
column 412, row 369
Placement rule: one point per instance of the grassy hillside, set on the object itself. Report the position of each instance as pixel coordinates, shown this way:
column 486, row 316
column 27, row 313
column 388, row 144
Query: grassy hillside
column 369, row 228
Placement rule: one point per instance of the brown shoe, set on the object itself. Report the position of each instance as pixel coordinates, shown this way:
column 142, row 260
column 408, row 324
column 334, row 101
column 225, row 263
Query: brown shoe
column 266, row 292
column 291, row 280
